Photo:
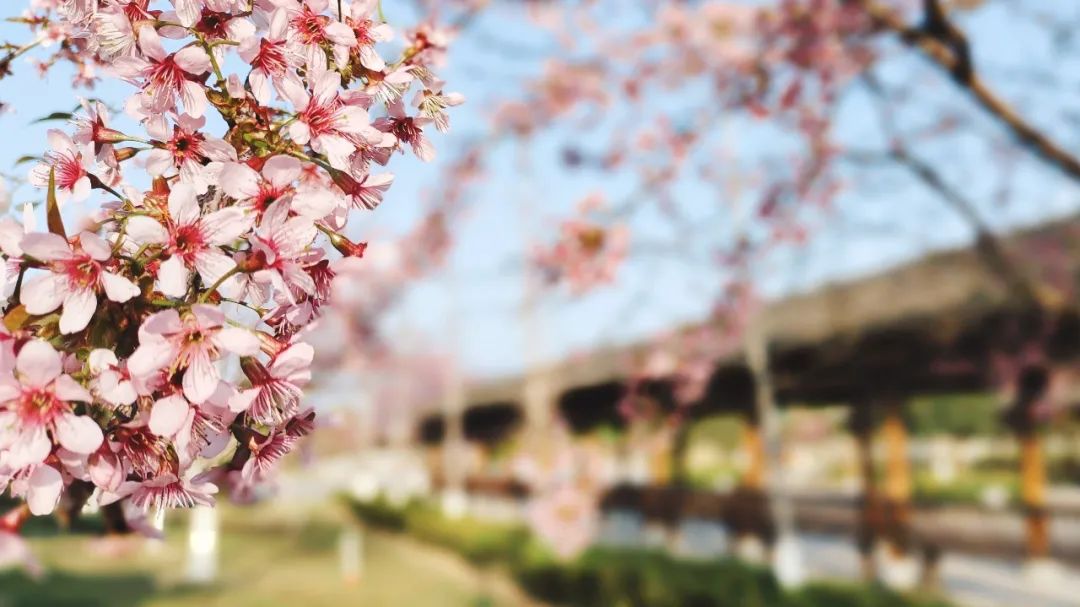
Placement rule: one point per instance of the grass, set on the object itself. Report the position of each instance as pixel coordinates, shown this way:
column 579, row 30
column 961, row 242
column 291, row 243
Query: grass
column 267, row 559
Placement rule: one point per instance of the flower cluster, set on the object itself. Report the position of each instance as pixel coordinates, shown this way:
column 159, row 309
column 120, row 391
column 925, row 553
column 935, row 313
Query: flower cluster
column 565, row 482
column 159, row 352
column 587, row 252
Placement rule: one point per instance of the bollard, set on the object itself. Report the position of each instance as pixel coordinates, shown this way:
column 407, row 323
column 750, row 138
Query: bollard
column 202, row 546
column 351, row 555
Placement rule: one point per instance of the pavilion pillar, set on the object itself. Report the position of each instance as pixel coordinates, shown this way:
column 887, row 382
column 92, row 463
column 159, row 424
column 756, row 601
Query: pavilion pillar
column 538, row 399
column 861, row 424
column 897, row 482
column 748, row 514
column 1033, row 493
column 454, row 450
column 540, row 403
column 753, row 447
column 1030, row 388
column 766, row 463
column 899, row 568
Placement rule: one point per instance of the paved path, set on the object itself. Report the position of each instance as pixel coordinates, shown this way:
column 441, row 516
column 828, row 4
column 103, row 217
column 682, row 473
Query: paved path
column 970, row 581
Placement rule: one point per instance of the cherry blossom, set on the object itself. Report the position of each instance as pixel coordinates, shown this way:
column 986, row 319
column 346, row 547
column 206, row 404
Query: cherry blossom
column 189, row 343
column 191, row 241
column 261, row 189
column 67, row 165
column 276, row 388
column 270, row 56
column 75, row 277
column 186, row 149
column 166, row 76
column 325, row 121
column 36, row 402
column 216, row 245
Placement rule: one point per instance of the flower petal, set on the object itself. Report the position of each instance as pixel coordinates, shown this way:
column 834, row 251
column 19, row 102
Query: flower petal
column 201, row 378
column 38, row 363
column 67, row 389
column 79, row 433
column 146, row 230
column 238, row 341
column 193, row 60
column 43, row 294
column 46, row 246
column 150, row 357
column 184, row 204
column 281, row 170
column 169, row 415
column 94, row 246
column 43, row 494
column 172, row 278
column 118, row 288
column 105, row 470
column 226, row 225
column 79, row 307
column 239, row 181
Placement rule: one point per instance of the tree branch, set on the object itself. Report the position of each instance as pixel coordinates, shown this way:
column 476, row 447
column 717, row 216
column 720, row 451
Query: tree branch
column 944, row 45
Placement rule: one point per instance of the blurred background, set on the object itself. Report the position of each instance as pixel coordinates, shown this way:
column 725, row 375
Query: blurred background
column 759, row 303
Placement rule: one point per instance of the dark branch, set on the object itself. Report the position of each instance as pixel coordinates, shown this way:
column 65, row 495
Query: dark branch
column 950, row 51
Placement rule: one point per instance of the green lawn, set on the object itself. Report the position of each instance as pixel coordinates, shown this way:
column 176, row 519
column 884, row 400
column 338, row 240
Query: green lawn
column 267, row 559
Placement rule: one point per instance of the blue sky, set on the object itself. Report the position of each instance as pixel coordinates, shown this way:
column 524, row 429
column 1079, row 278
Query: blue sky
column 882, row 220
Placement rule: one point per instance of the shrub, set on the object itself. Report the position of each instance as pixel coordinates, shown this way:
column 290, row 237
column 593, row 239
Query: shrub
column 605, row 577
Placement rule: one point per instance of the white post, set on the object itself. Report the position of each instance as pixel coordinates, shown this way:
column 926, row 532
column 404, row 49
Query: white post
column 351, row 554
column 202, row 545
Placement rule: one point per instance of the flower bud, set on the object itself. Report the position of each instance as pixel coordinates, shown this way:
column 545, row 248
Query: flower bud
column 123, row 154
column 107, row 135
column 248, row 262
column 269, row 345
column 347, row 247
column 161, row 186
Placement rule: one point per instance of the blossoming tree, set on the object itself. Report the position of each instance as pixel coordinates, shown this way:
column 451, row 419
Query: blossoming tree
column 158, row 353
column 833, row 102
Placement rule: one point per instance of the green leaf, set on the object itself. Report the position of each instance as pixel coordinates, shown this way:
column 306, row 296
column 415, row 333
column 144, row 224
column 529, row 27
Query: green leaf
column 52, row 208
column 53, row 116
column 27, row 158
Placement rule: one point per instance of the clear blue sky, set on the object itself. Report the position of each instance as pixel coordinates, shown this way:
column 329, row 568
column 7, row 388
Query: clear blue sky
column 882, row 221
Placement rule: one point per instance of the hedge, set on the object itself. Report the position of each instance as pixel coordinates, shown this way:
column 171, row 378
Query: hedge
column 604, row 577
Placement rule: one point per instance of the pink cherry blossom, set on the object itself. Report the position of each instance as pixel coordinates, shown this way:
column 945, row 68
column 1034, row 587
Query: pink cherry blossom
column 274, row 395
column 325, row 121
column 170, row 491
column 70, row 167
column 41, row 487
column 282, row 241
column 75, row 276
column 166, row 76
column 217, row 238
column 189, row 343
column 191, row 241
column 408, row 130
column 313, row 30
column 186, row 150
column 37, row 401
column 112, row 382
column 270, row 57
column 368, row 33
column 261, row 189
